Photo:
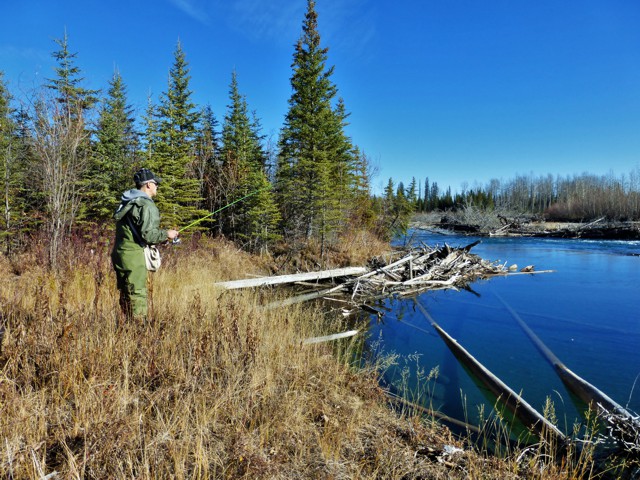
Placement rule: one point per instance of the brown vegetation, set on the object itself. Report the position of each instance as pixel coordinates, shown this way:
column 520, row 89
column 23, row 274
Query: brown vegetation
column 211, row 386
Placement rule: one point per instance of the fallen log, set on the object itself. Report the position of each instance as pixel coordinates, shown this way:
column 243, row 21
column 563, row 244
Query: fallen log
column 296, row 277
column 305, row 297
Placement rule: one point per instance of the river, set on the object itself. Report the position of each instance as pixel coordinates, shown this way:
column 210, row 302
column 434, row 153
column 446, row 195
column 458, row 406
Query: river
column 587, row 311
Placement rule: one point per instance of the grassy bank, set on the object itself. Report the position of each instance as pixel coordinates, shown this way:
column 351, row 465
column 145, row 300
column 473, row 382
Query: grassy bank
column 212, row 386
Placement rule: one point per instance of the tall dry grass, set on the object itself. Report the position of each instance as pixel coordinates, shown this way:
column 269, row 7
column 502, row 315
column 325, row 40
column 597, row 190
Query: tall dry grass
column 211, row 386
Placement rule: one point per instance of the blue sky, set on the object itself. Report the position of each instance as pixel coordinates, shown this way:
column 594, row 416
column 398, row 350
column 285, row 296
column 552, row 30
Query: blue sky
column 457, row 91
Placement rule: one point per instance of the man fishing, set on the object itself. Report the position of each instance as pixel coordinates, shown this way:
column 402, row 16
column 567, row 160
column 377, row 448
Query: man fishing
column 137, row 225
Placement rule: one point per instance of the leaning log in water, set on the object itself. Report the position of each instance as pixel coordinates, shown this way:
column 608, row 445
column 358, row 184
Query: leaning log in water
column 514, row 402
column 623, row 425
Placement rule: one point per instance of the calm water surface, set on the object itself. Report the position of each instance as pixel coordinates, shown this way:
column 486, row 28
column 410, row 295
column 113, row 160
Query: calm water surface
column 587, row 312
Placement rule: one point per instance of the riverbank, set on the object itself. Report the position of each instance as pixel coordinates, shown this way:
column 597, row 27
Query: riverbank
column 496, row 225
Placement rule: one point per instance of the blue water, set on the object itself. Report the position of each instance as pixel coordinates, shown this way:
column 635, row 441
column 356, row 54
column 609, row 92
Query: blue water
column 587, row 312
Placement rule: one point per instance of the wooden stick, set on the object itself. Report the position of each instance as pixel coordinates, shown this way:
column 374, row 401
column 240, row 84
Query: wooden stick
column 391, row 265
column 302, row 298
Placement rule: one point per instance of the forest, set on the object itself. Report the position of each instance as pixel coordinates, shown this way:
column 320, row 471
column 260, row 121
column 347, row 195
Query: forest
column 576, row 198
column 68, row 153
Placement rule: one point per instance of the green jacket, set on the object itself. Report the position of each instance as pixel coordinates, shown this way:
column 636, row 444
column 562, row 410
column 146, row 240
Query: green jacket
column 145, row 217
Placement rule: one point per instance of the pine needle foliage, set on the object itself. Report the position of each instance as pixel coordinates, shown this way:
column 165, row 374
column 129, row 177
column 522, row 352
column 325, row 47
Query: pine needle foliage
column 114, row 155
column 207, row 153
column 253, row 221
column 172, row 154
column 314, row 172
column 12, row 170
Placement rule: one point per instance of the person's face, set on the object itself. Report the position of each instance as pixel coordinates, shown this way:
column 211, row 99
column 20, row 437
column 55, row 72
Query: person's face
column 153, row 189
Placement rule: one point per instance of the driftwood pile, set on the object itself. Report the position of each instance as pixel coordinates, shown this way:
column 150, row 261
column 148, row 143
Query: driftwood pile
column 405, row 273
column 423, row 268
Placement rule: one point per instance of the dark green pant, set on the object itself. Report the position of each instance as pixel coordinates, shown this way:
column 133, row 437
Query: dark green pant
column 131, row 277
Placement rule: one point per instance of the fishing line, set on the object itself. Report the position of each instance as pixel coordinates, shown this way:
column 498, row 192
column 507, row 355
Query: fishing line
column 221, row 208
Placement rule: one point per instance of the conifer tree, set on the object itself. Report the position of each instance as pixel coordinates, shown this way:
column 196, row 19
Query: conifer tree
column 150, row 131
column 114, row 154
column 172, row 155
column 427, row 195
column 343, row 180
column 434, row 196
column 242, row 172
column 12, row 170
column 411, row 193
column 239, row 151
column 74, row 99
column 315, row 157
column 397, row 211
column 363, row 208
column 207, row 152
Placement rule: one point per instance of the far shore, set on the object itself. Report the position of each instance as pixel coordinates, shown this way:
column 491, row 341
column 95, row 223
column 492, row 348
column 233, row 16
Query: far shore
column 600, row 229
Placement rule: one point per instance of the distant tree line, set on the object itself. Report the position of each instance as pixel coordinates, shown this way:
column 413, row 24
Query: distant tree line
column 67, row 153
column 581, row 197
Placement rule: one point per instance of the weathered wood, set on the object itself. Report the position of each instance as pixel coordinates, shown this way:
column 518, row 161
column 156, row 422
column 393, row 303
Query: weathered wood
column 296, row 277
column 328, row 338
column 418, row 269
column 511, row 274
column 301, row 298
column 386, row 267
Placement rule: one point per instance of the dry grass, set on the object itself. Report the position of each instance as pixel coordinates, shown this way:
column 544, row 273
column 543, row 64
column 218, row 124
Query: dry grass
column 212, row 386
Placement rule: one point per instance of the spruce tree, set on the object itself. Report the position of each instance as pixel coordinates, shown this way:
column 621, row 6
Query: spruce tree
column 396, row 211
column 207, row 151
column 262, row 216
column 389, row 193
column 149, row 131
column 243, row 172
column 412, row 193
column 362, row 212
column 74, row 99
column 315, row 157
column 237, row 154
column 12, row 170
column 172, row 154
column 114, row 154
column 427, row 195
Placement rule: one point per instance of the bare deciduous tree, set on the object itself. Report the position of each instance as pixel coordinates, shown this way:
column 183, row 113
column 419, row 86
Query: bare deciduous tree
column 59, row 146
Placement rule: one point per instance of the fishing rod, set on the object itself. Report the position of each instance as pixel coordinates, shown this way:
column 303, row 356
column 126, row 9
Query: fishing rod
column 220, row 209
